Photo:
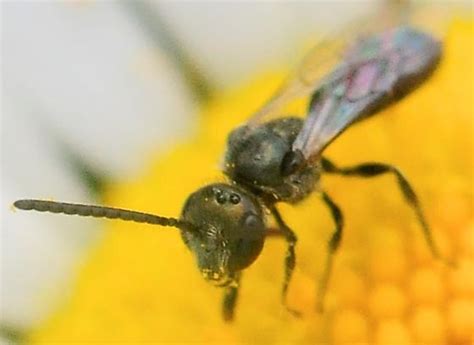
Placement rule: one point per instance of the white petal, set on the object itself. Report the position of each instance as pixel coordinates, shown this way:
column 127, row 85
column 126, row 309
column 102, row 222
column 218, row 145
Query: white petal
column 38, row 251
column 95, row 78
column 234, row 40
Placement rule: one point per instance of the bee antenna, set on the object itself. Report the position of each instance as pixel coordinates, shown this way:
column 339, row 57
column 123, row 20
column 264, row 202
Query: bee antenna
column 98, row 212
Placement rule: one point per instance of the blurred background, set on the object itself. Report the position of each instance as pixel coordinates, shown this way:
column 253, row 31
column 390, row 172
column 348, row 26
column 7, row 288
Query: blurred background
column 91, row 88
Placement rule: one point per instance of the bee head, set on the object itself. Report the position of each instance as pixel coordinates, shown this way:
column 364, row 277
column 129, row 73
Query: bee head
column 228, row 230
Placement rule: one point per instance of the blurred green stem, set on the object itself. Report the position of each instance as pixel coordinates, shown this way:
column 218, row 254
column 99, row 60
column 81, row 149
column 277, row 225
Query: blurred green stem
column 149, row 20
column 12, row 334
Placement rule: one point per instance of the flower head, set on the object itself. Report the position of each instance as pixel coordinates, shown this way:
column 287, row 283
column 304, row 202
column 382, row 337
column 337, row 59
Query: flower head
column 141, row 283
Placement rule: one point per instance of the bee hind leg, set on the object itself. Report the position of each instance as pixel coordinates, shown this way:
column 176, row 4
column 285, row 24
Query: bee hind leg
column 372, row 169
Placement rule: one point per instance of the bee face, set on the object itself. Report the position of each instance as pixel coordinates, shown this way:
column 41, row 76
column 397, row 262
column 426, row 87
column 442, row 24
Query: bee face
column 228, row 230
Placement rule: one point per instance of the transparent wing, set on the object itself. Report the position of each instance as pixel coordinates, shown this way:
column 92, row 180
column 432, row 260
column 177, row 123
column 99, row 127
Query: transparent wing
column 334, row 47
column 322, row 59
column 376, row 72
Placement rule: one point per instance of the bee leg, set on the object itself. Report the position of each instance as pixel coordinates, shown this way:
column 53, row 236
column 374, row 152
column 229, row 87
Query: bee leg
column 290, row 258
column 373, row 169
column 230, row 299
column 333, row 245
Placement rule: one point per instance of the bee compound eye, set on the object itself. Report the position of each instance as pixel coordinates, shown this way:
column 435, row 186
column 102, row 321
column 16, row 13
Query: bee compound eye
column 251, row 220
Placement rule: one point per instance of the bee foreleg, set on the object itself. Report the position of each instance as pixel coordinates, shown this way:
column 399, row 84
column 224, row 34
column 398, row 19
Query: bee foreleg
column 290, row 258
column 333, row 245
column 373, row 169
column 230, row 299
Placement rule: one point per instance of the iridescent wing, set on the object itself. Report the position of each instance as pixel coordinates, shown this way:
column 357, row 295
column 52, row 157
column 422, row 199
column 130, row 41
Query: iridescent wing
column 377, row 71
column 322, row 59
column 333, row 48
